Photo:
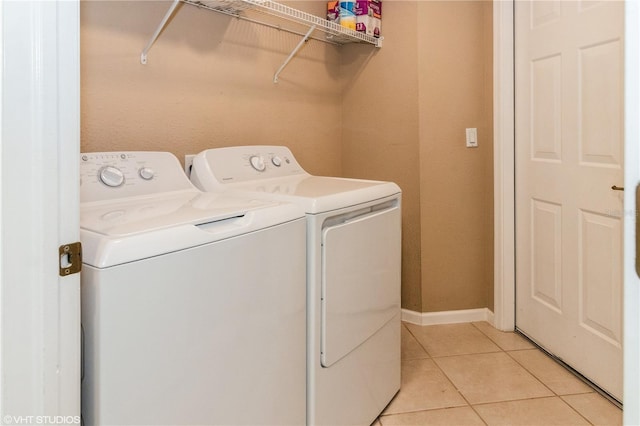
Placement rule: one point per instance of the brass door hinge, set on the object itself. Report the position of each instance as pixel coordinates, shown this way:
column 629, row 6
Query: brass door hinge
column 70, row 257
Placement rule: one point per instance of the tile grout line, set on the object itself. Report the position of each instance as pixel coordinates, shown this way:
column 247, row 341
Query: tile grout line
column 454, row 385
column 555, row 394
column 519, row 363
column 499, row 350
column 417, row 340
column 508, row 352
column 574, row 372
column 432, row 358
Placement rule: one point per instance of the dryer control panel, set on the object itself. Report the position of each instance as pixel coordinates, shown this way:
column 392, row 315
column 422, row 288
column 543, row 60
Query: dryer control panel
column 246, row 163
column 110, row 175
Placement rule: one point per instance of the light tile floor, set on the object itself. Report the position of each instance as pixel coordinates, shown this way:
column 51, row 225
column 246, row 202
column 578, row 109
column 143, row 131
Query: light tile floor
column 473, row 374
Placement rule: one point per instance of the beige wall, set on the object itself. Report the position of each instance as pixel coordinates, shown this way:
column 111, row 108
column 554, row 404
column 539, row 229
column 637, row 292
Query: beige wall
column 381, row 126
column 208, row 83
column 396, row 113
column 430, row 81
column 456, row 183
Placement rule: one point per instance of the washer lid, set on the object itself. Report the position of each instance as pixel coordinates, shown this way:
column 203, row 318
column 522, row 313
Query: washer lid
column 318, row 194
column 121, row 231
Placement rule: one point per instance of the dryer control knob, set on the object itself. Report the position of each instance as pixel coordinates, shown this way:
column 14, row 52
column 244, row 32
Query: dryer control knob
column 146, row 173
column 257, row 162
column 277, row 161
column 111, row 176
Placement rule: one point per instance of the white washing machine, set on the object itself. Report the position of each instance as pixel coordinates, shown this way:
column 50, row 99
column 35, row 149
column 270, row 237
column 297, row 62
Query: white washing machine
column 353, row 275
column 193, row 305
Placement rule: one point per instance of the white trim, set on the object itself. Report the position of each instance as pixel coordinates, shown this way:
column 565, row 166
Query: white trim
column 447, row 317
column 68, row 370
column 2, row 141
column 40, row 332
column 503, row 160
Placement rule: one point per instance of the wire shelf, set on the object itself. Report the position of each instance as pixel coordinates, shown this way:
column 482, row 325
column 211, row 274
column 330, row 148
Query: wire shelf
column 334, row 33
column 230, row 7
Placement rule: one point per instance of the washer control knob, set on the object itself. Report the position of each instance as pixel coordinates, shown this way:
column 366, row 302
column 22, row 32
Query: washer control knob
column 277, row 161
column 257, row 162
column 111, row 176
column 146, row 173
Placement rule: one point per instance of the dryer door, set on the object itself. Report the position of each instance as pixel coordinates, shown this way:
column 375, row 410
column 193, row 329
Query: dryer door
column 360, row 278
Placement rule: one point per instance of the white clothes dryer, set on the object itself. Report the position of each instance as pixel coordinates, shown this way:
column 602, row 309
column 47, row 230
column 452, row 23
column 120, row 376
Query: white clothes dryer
column 353, row 275
column 193, row 305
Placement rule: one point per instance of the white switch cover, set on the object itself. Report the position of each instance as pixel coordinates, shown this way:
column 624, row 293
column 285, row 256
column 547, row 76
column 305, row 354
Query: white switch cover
column 472, row 138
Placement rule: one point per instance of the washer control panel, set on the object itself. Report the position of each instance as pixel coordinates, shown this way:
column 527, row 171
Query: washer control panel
column 109, row 175
column 245, row 163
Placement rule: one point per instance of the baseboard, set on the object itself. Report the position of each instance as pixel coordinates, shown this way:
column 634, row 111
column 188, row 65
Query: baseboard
column 448, row 317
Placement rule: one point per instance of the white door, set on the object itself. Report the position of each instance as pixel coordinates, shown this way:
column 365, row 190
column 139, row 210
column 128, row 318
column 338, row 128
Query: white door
column 39, row 211
column 632, row 180
column 569, row 67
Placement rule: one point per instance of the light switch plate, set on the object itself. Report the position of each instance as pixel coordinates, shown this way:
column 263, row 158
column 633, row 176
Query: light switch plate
column 472, row 137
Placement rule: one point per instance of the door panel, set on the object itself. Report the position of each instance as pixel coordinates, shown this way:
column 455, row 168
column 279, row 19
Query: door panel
column 600, row 132
column 360, row 281
column 569, row 153
column 546, row 254
column 546, row 119
column 600, row 245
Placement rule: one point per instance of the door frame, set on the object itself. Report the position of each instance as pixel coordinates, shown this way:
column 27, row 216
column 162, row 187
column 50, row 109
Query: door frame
column 504, row 185
column 39, row 211
column 504, row 165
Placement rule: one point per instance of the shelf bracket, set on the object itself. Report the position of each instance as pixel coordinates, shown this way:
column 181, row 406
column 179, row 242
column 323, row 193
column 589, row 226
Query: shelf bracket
column 154, row 37
column 293, row 53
